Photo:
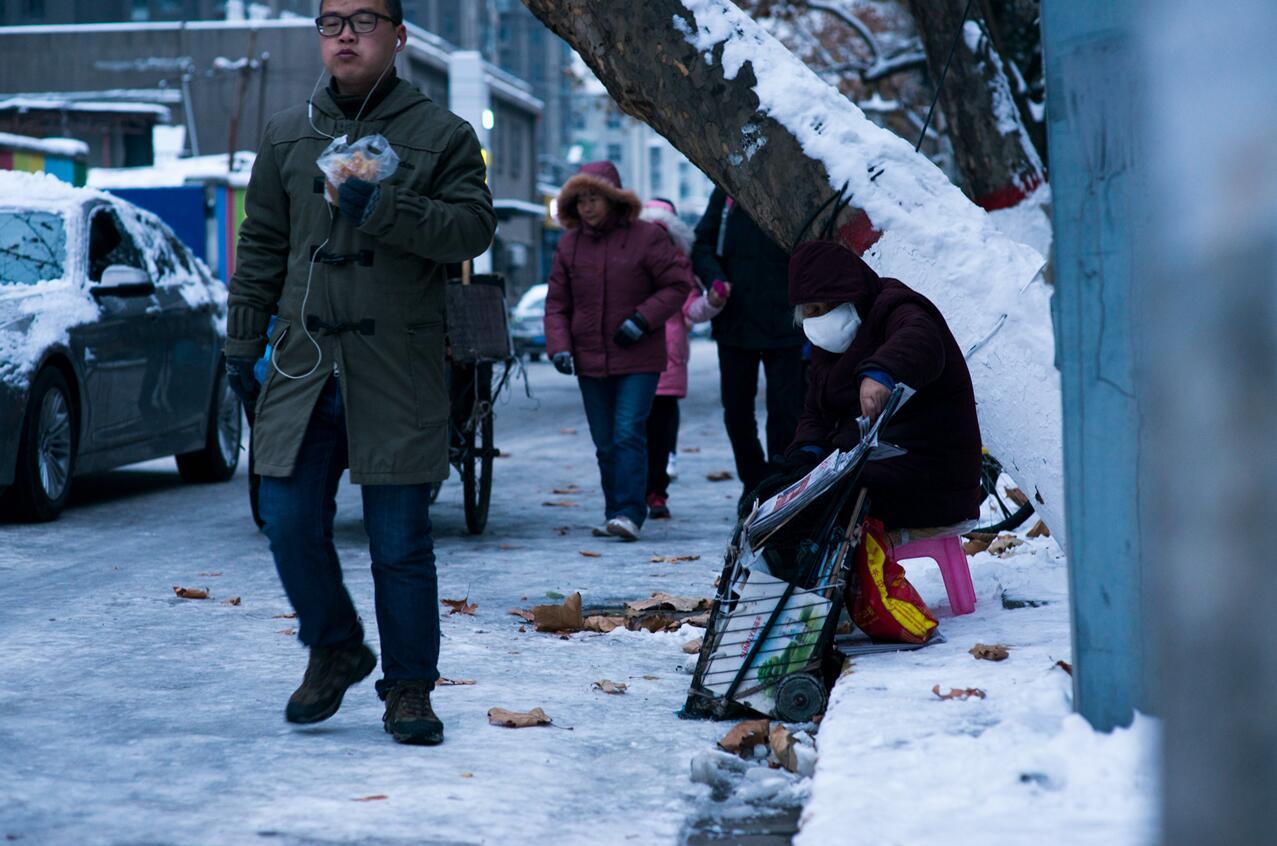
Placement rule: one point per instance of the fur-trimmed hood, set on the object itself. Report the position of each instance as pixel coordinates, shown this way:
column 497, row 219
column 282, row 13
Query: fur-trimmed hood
column 680, row 232
column 604, row 178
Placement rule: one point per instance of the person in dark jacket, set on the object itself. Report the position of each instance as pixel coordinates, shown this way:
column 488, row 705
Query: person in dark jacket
column 755, row 328
column 614, row 283
column 355, row 280
column 868, row 334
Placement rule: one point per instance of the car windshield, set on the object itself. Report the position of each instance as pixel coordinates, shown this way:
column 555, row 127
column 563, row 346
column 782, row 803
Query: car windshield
column 33, row 246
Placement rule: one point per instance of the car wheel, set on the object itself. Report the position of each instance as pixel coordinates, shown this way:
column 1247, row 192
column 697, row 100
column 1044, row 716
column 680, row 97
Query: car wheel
column 219, row 458
column 46, row 450
column 534, row 356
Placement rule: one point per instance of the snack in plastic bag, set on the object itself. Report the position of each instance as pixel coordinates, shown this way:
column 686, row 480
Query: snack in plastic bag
column 371, row 159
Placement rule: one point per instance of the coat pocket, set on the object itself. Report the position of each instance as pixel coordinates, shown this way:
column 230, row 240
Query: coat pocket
column 426, row 366
column 276, row 337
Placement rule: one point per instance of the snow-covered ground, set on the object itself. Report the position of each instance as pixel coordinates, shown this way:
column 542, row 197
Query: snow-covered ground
column 129, row 716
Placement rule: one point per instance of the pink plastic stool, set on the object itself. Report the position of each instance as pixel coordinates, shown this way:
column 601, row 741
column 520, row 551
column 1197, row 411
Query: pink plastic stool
column 947, row 552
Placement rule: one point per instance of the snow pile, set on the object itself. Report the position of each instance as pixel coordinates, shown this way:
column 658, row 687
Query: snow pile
column 938, row 242
column 69, row 147
column 1014, row 767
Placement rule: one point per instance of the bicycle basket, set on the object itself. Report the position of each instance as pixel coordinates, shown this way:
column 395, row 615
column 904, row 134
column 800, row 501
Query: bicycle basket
column 478, row 328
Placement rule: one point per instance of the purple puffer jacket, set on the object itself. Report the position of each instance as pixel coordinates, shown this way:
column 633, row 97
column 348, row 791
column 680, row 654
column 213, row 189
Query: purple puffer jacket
column 602, row 275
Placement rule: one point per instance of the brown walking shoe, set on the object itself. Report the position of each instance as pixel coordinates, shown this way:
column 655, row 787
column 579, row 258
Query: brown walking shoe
column 409, row 717
column 332, row 669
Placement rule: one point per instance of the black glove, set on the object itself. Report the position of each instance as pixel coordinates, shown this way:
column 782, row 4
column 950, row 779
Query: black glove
column 631, row 331
column 240, row 376
column 563, row 363
column 356, row 199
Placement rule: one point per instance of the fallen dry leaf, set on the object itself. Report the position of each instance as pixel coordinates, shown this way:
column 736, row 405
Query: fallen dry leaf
column 234, row 600
column 1039, row 530
column 443, row 682
column 559, row 618
column 674, row 559
column 602, row 624
column 213, row 574
column 1065, row 666
column 1017, row 496
column 743, row 737
column 610, row 687
column 289, row 632
column 569, row 489
column 289, row 616
column 692, row 449
column 523, row 628
column 508, row 546
column 567, row 431
column 191, row 593
column 959, row 693
column 467, row 775
column 1004, row 544
column 989, row 652
column 782, row 744
column 376, row 797
column 668, row 602
column 559, row 503
column 693, row 646
column 650, row 678
column 586, row 553
column 562, row 530
column 460, row 606
column 700, row 621
column 522, row 614
column 975, row 544
column 518, row 719
column 719, row 476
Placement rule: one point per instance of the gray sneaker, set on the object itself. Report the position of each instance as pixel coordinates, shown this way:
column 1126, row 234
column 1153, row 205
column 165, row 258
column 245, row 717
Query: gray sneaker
column 623, row 527
column 601, row 531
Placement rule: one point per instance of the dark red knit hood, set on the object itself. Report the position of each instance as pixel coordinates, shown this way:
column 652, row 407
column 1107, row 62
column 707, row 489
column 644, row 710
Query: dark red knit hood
column 824, row 272
column 603, row 177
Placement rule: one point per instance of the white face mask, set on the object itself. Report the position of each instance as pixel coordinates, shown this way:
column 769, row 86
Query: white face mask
column 834, row 330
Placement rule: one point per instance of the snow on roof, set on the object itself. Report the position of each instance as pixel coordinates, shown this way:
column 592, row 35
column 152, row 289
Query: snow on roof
column 42, row 191
column 23, row 103
column 49, row 146
column 175, row 172
column 140, row 95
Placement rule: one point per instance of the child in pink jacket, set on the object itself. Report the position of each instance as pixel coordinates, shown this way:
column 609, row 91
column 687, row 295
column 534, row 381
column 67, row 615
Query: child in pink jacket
column 700, row 307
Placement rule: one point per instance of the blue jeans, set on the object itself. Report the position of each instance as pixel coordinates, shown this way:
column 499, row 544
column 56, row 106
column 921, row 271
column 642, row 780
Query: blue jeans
column 617, row 408
column 299, row 512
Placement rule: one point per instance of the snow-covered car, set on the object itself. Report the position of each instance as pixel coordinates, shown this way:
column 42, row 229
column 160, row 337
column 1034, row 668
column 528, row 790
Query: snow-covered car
column 111, row 337
column 527, row 323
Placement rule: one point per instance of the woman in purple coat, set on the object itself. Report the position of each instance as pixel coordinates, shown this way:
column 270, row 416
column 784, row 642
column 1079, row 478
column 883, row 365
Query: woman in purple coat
column 868, row 334
column 614, row 283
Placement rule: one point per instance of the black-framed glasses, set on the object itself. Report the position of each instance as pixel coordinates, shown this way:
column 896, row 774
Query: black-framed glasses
column 331, row 26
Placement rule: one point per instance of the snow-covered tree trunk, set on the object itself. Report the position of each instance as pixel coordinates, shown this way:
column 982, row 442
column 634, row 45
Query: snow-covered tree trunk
column 781, row 141
column 991, row 146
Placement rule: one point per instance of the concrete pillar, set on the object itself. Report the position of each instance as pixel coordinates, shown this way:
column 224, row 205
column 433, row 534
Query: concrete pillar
column 1210, row 286
column 1098, row 192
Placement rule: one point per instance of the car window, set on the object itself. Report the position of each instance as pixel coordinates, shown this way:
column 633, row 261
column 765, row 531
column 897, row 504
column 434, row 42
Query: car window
column 33, row 247
column 109, row 244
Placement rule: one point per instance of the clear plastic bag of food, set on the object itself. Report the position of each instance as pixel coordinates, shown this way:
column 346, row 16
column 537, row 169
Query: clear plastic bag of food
column 371, row 159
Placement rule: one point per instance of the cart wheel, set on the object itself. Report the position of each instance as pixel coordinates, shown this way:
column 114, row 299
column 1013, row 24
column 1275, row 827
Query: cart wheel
column 476, row 467
column 799, row 697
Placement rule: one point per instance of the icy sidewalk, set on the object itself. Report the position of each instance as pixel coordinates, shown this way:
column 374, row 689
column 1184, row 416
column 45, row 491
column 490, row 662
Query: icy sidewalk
column 899, row 765
column 130, row 716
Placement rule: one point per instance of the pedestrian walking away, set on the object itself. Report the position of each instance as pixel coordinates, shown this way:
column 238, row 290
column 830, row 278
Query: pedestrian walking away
column 754, row 330
column 700, row 306
column 615, row 282
column 868, row 334
column 351, row 260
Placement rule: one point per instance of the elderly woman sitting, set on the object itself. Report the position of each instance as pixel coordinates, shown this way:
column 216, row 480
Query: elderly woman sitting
column 868, row 334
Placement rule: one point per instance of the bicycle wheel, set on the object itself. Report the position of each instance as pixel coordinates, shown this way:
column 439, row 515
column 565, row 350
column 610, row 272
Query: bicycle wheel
column 476, row 468
column 990, row 472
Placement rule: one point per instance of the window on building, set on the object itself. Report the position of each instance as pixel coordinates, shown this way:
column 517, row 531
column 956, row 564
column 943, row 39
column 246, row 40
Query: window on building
column 656, row 179
column 614, row 154
column 684, row 180
column 613, row 118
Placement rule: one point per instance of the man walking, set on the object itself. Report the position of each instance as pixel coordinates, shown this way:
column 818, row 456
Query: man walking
column 356, row 277
column 755, row 328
